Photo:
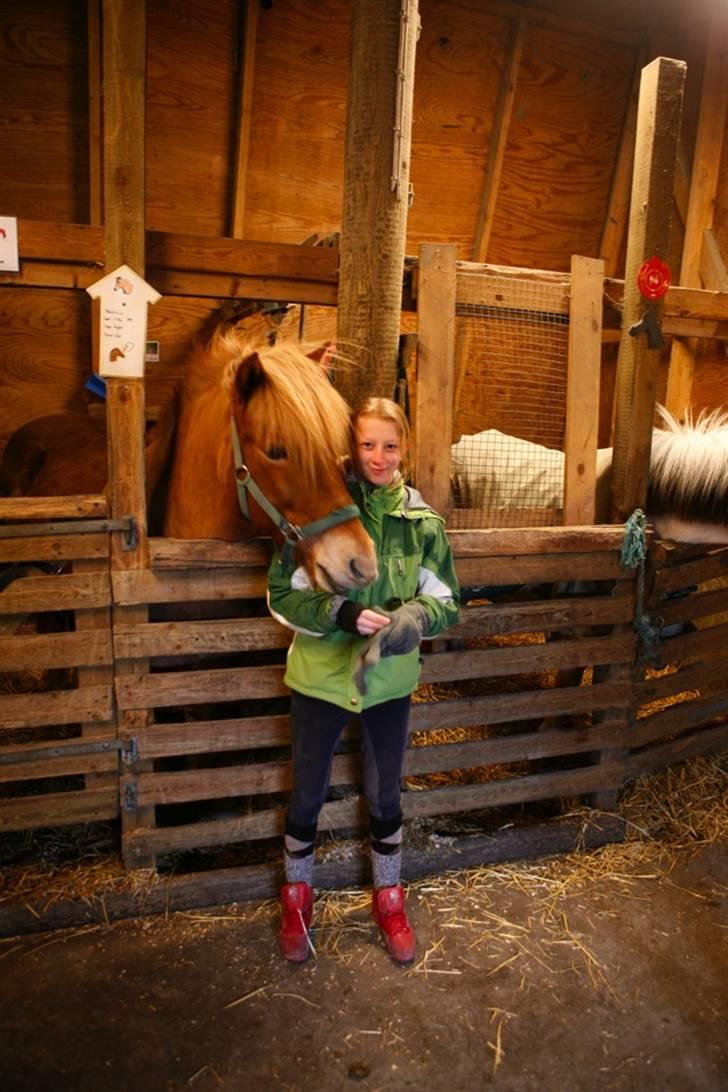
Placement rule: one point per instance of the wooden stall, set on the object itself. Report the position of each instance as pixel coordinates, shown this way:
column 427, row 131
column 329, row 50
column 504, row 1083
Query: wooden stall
column 170, row 719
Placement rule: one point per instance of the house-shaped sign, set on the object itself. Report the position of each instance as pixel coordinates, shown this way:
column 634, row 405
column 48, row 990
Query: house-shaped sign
column 124, row 297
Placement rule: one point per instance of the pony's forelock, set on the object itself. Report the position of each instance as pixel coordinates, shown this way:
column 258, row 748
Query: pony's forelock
column 297, row 408
column 689, row 466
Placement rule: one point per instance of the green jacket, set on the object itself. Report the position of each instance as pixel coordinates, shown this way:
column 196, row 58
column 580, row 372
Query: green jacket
column 415, row 562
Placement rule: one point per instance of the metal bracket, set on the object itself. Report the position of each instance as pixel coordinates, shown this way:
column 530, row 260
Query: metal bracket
column 129, row 750
column 131, row 796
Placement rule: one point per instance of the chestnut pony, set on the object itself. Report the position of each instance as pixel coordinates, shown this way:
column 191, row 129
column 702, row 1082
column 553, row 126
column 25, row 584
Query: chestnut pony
column 260, row 440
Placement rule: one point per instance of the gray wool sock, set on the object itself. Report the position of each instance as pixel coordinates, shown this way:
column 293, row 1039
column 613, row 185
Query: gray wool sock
column 298, row 865
column 386, row 868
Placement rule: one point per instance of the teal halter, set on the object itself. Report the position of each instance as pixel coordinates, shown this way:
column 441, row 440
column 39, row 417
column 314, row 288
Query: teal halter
column 292, row 533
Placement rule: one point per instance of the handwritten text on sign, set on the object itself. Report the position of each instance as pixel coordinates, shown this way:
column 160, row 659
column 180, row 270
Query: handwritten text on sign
column 124, row 297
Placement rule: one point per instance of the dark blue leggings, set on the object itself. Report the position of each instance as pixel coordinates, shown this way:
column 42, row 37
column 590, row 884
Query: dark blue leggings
column 316, row 728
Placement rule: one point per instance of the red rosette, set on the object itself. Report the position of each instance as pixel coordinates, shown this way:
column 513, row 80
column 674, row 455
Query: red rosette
column 654, row 279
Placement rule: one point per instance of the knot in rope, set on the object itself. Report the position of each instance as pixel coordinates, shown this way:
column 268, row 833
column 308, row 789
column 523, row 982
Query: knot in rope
column 632, row 555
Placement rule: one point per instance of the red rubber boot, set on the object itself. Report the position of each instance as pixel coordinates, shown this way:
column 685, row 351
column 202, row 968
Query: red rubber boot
column 297, row 907
column 396, row 931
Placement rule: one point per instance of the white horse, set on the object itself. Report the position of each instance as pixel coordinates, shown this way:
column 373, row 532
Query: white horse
column 687, row 498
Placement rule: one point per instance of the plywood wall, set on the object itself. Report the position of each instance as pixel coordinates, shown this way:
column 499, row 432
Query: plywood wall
column 570, row 100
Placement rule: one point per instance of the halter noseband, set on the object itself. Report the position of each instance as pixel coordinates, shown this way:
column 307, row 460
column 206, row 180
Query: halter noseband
column 291, row 532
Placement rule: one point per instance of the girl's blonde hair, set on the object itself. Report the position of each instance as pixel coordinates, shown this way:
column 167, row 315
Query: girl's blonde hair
column 386, row 410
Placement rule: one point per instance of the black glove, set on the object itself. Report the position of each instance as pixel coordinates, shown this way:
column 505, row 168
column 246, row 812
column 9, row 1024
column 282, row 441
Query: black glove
column 407, row 627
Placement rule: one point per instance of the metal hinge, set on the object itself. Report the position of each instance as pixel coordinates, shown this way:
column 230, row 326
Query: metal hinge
column 131, row 796
column 129, row 750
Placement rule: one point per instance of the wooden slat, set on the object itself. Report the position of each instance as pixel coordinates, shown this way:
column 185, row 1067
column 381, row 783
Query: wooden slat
column 246, row 69
column 685, row 679
column 352, row 812
column 196, row 253
column 62, row 766
column 698, row 303
column 275, row 777
column 41, row 239
column 615, row 220
column 132, row 588
column 95, row 130
column 689, row 607
column 498, row 139
column 553, row 288
column 512, row 660
column 677, row 719
column 582, row 390
column 55, row 650
column 201, row 737
column 55, row 809
column 677, row 750
column 92, row 703
column 535, row 540
column 46, row 508
column 536, row 570
column 496, row 619
column 703, row 190
column 215, row 286
column 198, row 687
column 63, row 592
column 435, row 384
column 710, row 566
column 170, row 553
column 184, row 638
column 524, row 705
column 49, row 548
column 706, row 642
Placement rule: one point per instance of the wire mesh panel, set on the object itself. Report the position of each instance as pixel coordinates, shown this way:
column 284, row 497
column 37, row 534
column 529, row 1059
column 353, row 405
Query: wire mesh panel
column 510, row 401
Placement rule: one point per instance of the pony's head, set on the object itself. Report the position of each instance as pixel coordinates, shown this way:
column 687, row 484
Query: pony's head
column 294, row 432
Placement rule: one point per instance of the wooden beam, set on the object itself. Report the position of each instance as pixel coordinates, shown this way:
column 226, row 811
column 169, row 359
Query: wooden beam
column 435, row 381
column 246, row 71
column 498, row 140
column 95, row 129
column 658, row 126
column 701, row 202
column 582, row 390
column 124, row 33
column 615, row 220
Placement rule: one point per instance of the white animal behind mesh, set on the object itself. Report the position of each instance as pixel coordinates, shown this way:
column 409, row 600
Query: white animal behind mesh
column 510, row 401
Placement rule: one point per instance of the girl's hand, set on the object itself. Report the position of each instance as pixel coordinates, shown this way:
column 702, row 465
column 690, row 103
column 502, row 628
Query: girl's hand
column 369, row 621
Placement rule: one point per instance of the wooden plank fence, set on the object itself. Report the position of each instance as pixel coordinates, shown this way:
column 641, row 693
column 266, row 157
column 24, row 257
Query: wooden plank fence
column 190, row 738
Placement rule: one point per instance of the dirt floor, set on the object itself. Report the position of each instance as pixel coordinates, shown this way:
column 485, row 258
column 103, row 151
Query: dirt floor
column 598, row 971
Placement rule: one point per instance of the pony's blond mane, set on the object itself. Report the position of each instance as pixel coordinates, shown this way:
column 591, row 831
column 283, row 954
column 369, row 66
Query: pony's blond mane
column 296, row 407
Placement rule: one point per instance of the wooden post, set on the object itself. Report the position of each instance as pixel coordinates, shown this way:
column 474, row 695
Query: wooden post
column 124, row 34
column 658, row 125
column 582, row 389
column 376, row 194
column 246, row 69
column 435, row 374
column 498, row 140
column 615, row 221
column 95, row 129
column 703, row 190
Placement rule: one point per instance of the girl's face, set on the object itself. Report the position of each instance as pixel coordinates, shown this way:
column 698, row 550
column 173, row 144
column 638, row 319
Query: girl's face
column 378, row 449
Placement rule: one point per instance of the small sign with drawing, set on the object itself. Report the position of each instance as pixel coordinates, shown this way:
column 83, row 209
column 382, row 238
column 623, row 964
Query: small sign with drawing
column 124, row 297
column 9, row 261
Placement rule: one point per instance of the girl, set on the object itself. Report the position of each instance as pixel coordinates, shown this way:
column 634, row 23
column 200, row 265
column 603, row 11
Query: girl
column 359, row 653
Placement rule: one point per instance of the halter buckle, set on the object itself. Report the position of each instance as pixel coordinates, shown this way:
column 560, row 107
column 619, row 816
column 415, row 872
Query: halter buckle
column 291, row 532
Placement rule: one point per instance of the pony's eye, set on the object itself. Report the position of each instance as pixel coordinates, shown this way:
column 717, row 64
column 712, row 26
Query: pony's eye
column 276, row 453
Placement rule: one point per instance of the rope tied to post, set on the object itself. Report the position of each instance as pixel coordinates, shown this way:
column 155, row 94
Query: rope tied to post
column 633, row 555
